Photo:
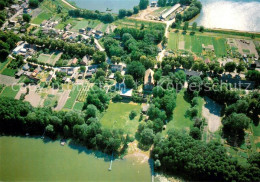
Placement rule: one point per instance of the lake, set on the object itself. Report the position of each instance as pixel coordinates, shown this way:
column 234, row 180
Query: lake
column 30, row 159
column 230, row 14
column 102, row 5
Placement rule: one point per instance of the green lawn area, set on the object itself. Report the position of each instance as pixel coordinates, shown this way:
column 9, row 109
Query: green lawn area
column 72, row 97
column 2, row 64
column 42, row 16
column 50, row 101
column 9, row 72
column 173, row 42
column 196, row 45
column 117, row 116
column 78, row 106
column 10, row 91
column 180, row 121
column 220, row 46
column 43, row 58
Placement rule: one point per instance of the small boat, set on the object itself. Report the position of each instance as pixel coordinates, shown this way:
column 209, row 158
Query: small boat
column 109, row 9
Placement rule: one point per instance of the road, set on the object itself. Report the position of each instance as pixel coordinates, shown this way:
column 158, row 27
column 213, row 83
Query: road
column 64, row 1
column 98, row 45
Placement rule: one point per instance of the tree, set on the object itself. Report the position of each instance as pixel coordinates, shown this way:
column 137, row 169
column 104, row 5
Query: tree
column 143, row 4
column 233, row 128
column 136, row 9
column 33, row 3
column 157, row 125
column 100, row 73
column 253, row 75
column 50, row 130
column 136, row 69
column 99, row 57
column 82, row 68
column 91, row 111
column 157, row 75
column 201, row 29
column 132, row 115
column 195, row 133
column 26, row 18
column 230, row 67
column 147, row 136
column 195, row 83
column 194, row 26
column 240, row 67
column 122, row 13
column 119, row 77
column 129, row 81
column 186, row 25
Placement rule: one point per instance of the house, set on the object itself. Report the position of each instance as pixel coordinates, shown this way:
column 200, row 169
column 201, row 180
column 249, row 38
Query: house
column 116, row 67
column 26, row 67
column 170, row 11
column 84, row 61
column 192, row 73
column 93, row 68
column 111, row 76
column 70, row 71
column 153, row 4
column 19, row 73
column 15, row 8
column 145, row 108
column 80, row 75
column 82, row 30
column 88, row 29
column 98, row 34
column 74, row 61
column 64, row 79
column 126, row 93
column 68, row 27
column 208, row 47
column 89, row 75
column 50, row 76
column 148, row 79
column 207, row 61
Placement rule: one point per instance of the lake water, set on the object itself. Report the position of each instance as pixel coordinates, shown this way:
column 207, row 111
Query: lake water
column 30, row 159
column 102, row 5
column 230, row 14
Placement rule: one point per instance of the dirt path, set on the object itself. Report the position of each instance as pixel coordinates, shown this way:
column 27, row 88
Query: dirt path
column 212, row 112
column 64, row 1
column 63, row 99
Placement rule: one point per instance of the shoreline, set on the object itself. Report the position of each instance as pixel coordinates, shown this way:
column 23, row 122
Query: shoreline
column 67, row 3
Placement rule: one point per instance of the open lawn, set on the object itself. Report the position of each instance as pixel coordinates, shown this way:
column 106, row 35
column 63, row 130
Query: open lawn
column 50, row 101
column 10, row 91
column 42, row 16
column 180, row 121
column 117, row 116
column 43, row 58
column 3, row 63
column 78, row 106
column 9, row 72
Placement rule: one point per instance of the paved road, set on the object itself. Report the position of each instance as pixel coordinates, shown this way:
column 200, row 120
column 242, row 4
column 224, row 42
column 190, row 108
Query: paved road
column 12, row 18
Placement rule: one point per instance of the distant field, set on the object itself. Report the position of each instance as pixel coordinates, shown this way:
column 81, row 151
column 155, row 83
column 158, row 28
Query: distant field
column 117, row 116
column 42, row 16
column 194, row 43
column 10, row 91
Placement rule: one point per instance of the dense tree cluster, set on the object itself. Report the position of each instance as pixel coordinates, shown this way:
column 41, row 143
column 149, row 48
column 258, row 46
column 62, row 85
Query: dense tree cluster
column 74, row 49
column 34, row 3
column 143, row 4
column 19, row 117
column 95, row 15
column 8, row 41
column 195, row 160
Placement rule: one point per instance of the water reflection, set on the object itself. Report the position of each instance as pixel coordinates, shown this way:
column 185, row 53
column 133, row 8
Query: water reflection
column 238, row 15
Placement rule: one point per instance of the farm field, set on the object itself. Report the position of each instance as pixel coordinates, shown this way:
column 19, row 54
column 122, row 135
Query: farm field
column 50, row 100
column 78, row 106
column 72, row 97
column 194, row 43
column 10, row 91
column 117, row 117
column 49, row 58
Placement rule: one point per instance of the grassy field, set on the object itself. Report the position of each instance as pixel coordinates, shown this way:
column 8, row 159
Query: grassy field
column 72, row 97
column 9, row 72
column 50, row 100
column 2, row 64
column 194, row 43
column 78, row 106
column 117, row 116
column 180, row 121
column 10, row 91
column 41, row 17
column 43, row 58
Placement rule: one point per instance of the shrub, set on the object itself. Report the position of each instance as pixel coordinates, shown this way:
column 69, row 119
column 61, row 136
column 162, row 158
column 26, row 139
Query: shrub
column 132, row 115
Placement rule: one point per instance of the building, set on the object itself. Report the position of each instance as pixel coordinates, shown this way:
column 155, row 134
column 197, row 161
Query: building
column 148, row 79
column 153, row 4
column 74, row 61
column 84, row 61
column 89, row 75
column 208, row 47
column 98, row 34
column 19, row 73
column 126, row 93
column 170, row 11
column 67, row 28
column 116, row 67
column 145, row 108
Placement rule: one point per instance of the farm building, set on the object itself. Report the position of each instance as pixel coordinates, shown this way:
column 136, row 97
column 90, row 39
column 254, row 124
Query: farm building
column 84, row 61
column 170, row 11
column 153, row 4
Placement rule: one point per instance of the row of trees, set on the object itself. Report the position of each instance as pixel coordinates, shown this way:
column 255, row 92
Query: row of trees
column 19, row 117
column 73, row 49
column 196, row 160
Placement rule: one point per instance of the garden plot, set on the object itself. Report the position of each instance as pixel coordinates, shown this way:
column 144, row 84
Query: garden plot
column 10, row 91
column 33, row 97
column 51, row 58
column 246, row 47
